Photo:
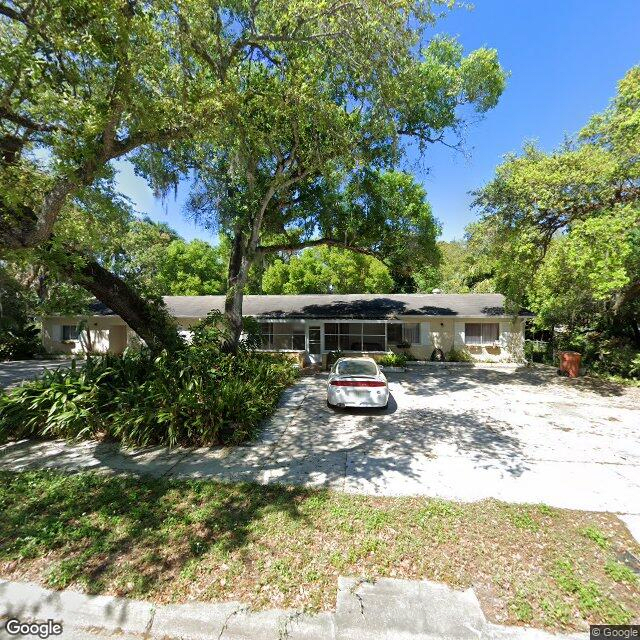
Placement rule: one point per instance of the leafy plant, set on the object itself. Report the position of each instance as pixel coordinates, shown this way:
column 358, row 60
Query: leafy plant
column 20, row 343
column 393, row 360
column 196, row 396
column 459, row 355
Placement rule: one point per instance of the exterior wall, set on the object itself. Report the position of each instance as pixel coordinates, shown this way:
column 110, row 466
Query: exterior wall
column 111, row 334
column 448, row 334
column 108, row 334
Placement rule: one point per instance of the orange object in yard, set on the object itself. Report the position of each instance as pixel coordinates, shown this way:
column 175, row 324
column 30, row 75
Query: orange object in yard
column 570, row 363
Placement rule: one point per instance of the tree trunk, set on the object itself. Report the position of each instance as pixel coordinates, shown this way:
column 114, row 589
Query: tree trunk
column 237, row 277
column 148, row 319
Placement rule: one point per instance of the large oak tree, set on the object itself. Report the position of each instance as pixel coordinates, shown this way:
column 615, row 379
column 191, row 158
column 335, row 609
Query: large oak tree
column 262, row 99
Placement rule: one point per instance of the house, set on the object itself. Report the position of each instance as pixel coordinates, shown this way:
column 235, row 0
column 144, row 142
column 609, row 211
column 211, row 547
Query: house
column 313, row 325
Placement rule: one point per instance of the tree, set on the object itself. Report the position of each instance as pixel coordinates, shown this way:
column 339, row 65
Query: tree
column 192, row 269
column 327, row 270
column 459, row 271
column 560, row 231
column 138, row 254
column 260, row 98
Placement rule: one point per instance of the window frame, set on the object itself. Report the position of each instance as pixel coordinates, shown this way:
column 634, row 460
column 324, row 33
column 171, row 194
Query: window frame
column 72, row 330
column 404, row 325
column 340, row 333
column 299, row 330
column 483, row 342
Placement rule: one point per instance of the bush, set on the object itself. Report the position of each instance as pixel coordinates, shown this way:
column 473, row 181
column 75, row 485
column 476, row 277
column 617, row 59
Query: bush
column 459, row 355
column 393, row 360
column 20, row 343
column 602, row 354
column 333, row 357
column 538, row 351
column 195, row 396
column 615, row 357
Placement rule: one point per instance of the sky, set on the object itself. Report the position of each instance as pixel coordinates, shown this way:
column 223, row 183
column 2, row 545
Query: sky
column 564, row 58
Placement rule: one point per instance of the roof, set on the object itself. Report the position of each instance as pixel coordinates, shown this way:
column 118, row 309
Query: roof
column 365, row 306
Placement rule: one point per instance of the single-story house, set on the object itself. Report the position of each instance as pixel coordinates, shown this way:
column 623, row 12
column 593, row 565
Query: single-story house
column 314, row 325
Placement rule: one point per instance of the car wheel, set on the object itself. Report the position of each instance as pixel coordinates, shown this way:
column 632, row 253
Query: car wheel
column 331, row 406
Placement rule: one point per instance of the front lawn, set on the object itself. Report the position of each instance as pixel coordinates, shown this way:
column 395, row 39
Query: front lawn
column 272, row 546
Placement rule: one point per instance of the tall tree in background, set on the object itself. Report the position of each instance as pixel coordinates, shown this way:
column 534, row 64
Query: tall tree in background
column 327, row 270
column 561, row 231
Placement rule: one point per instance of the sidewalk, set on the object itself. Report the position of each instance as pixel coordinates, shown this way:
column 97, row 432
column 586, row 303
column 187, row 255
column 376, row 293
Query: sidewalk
column 387, row 609
column 439, row 438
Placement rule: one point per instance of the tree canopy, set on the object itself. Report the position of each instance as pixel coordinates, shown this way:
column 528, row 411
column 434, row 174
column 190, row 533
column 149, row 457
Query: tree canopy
column 560, row 231
column 327, row 270
column 260, row 103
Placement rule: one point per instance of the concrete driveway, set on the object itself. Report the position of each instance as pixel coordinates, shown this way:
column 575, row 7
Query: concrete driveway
column 519, row 435
column 13, row 373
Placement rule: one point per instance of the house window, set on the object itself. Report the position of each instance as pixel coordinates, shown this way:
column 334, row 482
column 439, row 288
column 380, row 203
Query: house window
column 354, row 336
column 283, row 336
column 69, row 332
column 481, row 333
column 398, row 332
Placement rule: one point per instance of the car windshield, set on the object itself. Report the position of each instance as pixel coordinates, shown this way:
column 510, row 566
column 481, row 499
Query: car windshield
column 356, row 368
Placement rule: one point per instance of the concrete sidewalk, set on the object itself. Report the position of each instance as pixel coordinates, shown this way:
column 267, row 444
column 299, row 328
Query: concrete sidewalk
column 539, row 441
column 387, row 609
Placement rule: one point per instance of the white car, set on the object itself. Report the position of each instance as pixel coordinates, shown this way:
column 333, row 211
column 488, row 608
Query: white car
column 357, row 382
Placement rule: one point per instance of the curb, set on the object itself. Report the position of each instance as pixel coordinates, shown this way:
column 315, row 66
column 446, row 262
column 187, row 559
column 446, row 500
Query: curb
column 384, row 609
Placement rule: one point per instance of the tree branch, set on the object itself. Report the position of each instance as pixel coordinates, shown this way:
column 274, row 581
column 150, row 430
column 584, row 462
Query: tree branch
column 28, row 123
column 10, row 13
column 331, row 242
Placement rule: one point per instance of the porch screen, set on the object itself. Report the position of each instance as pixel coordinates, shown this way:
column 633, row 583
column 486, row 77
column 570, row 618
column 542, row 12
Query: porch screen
column 283, row 335
column 480, row 333
column 354, row 336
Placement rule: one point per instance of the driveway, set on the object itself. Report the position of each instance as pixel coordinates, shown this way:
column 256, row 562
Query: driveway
column 519, row 435
column 13, row 373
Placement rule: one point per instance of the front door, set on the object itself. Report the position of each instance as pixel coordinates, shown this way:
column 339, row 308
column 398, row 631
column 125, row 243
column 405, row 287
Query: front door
column 315, row 346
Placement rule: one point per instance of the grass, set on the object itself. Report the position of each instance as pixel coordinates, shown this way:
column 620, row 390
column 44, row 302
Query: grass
column 273, row 546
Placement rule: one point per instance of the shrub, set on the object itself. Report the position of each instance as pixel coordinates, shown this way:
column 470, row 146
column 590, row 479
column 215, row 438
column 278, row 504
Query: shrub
column 333, row 357
column 393, row 360
column 603, row 354
column 194, row 396
column 20, row 343
column 459, row 355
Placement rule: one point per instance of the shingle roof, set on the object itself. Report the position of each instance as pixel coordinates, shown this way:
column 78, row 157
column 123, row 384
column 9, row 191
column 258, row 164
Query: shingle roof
column 355, row 306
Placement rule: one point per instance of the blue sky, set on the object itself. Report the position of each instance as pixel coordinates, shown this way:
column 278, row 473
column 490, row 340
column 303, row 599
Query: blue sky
column 565, row 58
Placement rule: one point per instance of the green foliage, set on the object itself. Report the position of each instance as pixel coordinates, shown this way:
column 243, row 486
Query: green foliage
column 257, row 103
column 594, row 534
column 589, row 595
column 19, row 337
column 20, row 343
column 194, row 396
column 459, row 355
column 560, row 233
column 393, row 360
column 154, row 257
column 620, row 572
column 603, row 354
column 538, row 351
column 327, row 270
column 192, row 269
